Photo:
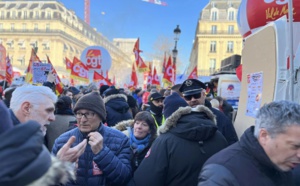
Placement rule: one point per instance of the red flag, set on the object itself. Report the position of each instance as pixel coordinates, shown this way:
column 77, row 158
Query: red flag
column 149, row 77
column 134, row 79
column 9, row 71
column 79, row 71
column 59, row 87
column 69, row 64
column 140, row 64
column 168, row 75
column 155, row 79
column 239, row 71
column 193, row 74
column 164, row 64
column 101, row 80
column 97, row 76
column 33, row 58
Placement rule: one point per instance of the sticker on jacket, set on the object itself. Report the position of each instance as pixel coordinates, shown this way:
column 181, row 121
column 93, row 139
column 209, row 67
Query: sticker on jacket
column 96, row 170
column 148, row 153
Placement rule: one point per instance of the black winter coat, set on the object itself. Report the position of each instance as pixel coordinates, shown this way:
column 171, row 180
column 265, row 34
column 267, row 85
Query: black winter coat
column 225, row 126
column 117, row 109
column 243, row 164
column 187, row 139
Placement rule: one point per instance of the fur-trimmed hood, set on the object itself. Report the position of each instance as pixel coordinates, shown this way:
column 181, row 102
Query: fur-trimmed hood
column 124, row 125
column 198, row 122
column 114, row 96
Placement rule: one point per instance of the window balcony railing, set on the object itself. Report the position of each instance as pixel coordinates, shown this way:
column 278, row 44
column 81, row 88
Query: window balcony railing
column 221, row 32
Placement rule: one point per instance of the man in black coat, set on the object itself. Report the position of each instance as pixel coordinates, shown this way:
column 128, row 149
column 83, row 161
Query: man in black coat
column 186, row 140
column 193, row 92
column 266, row 153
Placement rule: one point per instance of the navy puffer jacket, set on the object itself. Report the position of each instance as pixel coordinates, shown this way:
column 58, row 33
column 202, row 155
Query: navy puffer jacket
column 113, row 160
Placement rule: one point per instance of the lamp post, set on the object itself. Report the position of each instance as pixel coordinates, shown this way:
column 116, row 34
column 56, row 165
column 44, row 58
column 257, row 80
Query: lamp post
column 177, row 32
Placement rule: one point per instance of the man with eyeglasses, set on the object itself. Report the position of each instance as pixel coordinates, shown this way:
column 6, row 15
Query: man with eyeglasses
column 193, row 92
column 107, row 156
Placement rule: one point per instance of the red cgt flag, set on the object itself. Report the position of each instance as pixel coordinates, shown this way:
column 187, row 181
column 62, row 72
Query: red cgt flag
column 168, row 77
column 193, row 74
column 134, row 79
column 59, row 87
column 140, row 64
column 79, row 71
column 69, row 64
column 9, row 71
column 155, row 78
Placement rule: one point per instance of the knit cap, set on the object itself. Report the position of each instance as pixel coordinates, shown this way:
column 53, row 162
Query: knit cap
column 93, row 102
column 172, row 103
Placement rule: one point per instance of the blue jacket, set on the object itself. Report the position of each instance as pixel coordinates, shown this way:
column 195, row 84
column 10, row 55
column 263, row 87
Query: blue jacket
column 113, row 160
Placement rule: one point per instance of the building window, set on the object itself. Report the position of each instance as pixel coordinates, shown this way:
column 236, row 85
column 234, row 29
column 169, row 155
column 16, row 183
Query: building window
column 21, row 44
column 231, row 16
column 13, row 15
column 214, row 15
column 212, row 65
column 65, row 47
column 46, row 45
column 214, row 29
column 213, row 45
column 1, row 26
column 37, row 14
column 2, row 14
column 230, row 29
column 48, row 15
column 24, row 27
column 34, row 44
column 36, row 27
column 21, row 59
column 10, row 44
column 47, row 27
column 230, row 46
column 12, row 26
column 25, row 14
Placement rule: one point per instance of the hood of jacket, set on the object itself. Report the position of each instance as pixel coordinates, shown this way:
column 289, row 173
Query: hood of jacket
column 195, row 124
column 123, row 125
column 117, row 102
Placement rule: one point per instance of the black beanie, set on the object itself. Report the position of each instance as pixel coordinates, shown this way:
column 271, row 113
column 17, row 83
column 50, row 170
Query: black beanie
column 92, row 101
column 24, row 158
column 63, row 102
column 131, row 101
column 172, row 103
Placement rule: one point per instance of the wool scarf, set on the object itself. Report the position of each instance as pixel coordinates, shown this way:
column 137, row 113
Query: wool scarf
column 138, row 145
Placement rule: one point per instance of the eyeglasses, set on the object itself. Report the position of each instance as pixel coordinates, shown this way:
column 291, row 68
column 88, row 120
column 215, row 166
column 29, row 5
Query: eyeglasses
column 189, row 97
column 88, row 115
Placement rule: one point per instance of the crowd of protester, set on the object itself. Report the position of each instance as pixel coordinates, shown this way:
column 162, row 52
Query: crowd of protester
column 116, row 136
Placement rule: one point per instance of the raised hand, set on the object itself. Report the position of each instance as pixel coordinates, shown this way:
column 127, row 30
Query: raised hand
column 66, row 153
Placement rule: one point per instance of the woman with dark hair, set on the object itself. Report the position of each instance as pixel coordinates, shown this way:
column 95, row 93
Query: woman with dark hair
column 141, row 132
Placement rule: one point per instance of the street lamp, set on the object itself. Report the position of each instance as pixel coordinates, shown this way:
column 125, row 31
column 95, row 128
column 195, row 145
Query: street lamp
column 177, row 32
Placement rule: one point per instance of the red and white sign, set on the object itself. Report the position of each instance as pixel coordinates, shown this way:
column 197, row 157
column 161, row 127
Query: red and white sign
column 257, row 13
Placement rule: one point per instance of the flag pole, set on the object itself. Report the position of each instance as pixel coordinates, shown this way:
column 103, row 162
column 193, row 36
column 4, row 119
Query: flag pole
column 290, row 5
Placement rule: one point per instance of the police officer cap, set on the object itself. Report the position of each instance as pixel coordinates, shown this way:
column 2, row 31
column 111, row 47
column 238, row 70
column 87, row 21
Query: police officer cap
column 191, row 86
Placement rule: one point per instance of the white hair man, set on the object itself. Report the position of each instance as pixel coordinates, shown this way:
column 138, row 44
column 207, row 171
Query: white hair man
column 37, row 103
column 265, row 154
column 30, row 102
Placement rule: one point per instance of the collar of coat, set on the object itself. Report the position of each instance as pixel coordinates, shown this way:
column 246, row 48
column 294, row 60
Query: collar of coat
column 108, row 98
column 173, row 119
